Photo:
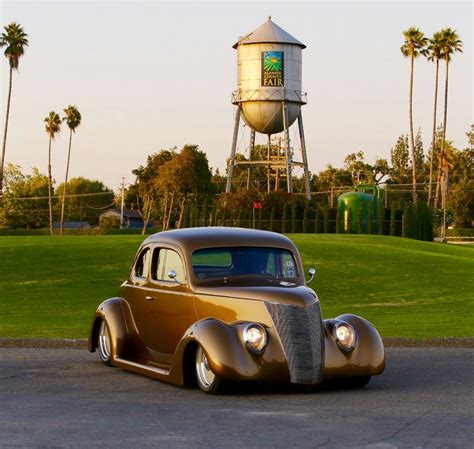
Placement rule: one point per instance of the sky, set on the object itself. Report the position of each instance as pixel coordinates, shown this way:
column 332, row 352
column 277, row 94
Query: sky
column 153, row 75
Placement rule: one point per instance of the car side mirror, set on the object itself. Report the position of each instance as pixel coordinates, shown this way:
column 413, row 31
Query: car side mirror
column 312, row 272
column 172, row 275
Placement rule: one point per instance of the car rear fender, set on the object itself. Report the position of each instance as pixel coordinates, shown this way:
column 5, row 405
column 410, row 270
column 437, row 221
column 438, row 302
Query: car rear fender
column 124, row 338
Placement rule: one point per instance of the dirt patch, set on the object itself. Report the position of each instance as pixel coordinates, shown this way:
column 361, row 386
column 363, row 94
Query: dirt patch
column 449, row 342
column 42, row 343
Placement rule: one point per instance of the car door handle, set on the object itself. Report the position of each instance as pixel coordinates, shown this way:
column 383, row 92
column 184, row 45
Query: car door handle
column 150, row 298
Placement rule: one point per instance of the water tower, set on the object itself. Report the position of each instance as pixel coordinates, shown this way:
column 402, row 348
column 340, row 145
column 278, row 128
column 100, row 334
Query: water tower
column 269, row 100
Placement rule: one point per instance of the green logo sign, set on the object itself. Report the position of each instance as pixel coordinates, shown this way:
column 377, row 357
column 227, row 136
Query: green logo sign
column 272, row 69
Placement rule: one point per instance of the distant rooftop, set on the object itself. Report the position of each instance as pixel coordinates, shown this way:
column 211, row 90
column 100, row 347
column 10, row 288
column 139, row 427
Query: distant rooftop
column 269, row 33
column 129, row 213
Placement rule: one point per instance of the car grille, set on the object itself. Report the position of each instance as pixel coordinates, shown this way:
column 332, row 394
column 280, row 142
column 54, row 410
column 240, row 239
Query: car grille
column 301, row 334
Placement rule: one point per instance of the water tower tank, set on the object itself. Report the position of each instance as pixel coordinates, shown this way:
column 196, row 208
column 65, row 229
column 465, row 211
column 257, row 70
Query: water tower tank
column 268, row 73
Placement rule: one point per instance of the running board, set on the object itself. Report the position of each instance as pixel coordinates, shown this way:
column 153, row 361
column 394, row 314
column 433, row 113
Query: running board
column 152, row 371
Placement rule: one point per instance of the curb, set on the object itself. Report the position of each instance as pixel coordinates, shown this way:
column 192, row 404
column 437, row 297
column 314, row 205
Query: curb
column 392, row 342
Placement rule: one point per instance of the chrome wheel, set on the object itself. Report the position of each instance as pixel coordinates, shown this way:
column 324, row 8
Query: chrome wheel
column 104, row 343
column 205, row 376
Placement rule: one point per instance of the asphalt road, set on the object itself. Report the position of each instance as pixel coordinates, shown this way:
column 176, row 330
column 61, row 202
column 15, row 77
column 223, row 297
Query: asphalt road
column 65, row 398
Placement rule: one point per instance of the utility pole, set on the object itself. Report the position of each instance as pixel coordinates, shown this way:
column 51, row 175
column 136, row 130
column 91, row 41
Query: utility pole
column 122, row 201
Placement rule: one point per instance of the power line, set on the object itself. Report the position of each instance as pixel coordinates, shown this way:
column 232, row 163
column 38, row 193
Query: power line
column 59, row 196
column 101, row 207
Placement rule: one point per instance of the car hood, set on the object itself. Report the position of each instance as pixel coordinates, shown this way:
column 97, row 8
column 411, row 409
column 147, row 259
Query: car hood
column 300, row 296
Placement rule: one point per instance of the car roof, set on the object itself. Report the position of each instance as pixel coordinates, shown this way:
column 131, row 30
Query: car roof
column 190, row 239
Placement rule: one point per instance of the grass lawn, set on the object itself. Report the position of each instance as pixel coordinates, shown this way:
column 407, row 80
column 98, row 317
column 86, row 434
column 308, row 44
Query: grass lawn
column 50, row 287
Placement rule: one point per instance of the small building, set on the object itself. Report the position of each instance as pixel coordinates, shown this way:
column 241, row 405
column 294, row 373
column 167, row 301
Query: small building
column 132, row 219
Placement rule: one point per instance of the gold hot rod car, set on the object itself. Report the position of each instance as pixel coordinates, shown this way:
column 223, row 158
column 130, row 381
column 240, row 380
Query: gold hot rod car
column 216, row 305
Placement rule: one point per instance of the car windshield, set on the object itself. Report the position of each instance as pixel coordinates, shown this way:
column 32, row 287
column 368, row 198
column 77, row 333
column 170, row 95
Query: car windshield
column 244, row 264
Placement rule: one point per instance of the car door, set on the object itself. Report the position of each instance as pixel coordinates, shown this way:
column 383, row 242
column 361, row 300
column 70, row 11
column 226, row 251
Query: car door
column 167, row 313
column 135, row 290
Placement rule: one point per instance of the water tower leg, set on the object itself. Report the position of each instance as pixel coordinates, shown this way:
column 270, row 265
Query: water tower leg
column 269, row 145
column 228, row 188
column 305, row 157
column 289, row 181
column 277, row 171
column 252, row 146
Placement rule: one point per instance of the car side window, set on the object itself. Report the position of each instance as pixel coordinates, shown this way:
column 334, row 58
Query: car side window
column 288, row 265
column 141, row 266
column 164, row 261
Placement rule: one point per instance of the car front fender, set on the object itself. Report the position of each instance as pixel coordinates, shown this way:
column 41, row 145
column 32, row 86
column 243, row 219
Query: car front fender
column 366, row 359
column 228, row 355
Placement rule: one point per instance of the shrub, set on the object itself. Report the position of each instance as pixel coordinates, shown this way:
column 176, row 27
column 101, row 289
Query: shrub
column 283, row 219
column 293, row 218
column 109, row 222
column 272, row 219
column 370, row 219
column 392, row 220
column 381, row 219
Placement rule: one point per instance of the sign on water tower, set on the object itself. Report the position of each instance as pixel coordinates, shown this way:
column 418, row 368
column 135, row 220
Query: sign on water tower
column 272, row 69
column 269, row 99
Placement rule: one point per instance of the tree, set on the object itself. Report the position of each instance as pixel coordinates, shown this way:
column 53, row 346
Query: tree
column 414, row 45
column 145, row 186
column 444, row 163
column 170, row 175
column 381, row 170
column 450, row 43
column 107, row 223
column 186, row 172
column 72, row 117
column 419, row 157
column 218, row 181
column 52, row 127
column 331, row 177
column 434, row 53
column 24, row 202
column 434, row 153
column 359, row 169
column 14, row 39
column 399, row 157
column 460, row 200
column 470, row 136
column 86, row 199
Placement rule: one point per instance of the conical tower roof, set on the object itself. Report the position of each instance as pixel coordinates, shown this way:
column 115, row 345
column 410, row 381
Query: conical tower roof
column 269, row 33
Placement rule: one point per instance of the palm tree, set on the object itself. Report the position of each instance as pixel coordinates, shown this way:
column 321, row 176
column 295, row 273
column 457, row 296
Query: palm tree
column 72, row 117
column 435, row 53
column 52, row 127
column 450, row 44
column 414, row 45
column 14, row 39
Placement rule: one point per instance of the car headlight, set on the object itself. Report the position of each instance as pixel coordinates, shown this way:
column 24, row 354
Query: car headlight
column 345, row 336
column 255, row 337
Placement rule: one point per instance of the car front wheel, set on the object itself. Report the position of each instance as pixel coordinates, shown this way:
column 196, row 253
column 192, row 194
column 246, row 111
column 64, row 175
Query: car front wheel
column 208, row 381
column 104, row 346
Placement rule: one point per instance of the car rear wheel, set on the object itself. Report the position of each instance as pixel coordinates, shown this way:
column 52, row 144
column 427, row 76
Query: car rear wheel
column 104, row 346
column 208, row 381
